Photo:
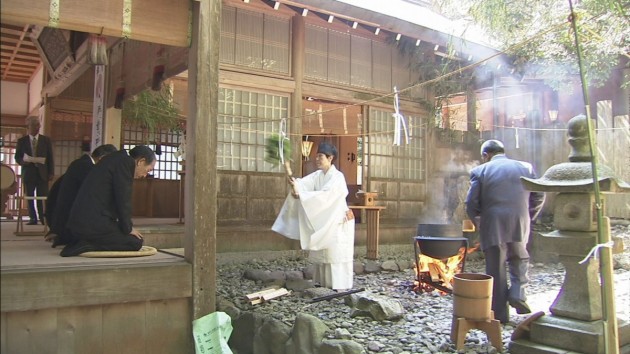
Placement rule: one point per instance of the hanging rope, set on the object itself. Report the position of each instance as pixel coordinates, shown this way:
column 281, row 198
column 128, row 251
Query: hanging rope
column 399, row 121
column 282, row 134
column 593, row 252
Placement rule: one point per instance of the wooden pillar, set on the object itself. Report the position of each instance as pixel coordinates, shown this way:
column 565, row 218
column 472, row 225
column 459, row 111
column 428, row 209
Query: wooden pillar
column 113, row 127
column 46, row 117
column 201, row 188
column 496, row 132
column 366, row 129
column 297, row 65
column 471, row 114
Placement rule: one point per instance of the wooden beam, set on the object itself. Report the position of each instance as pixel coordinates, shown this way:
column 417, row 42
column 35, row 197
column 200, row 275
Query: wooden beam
column 201, row 135
column 158, row 21
column 84, row 286
column 235, row 78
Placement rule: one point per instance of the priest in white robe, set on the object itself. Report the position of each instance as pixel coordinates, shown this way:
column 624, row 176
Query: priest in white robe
column 316, row 213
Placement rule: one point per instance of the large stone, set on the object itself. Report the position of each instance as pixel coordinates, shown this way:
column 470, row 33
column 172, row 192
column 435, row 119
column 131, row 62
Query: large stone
column 228, row 307
column 299, row 284
column 277, row 278
column 271, row 337
column 257, row 275
column 306, row 335
column 294, row 275
column 372, row 266
column 378, row 307
column 340, row 346
column 358, row 267
column 244, row 329
column 391, row 266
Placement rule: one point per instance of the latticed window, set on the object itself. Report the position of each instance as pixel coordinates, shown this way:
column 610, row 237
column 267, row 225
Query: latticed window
column 255, row 40
column 383, row 158
column 347, row 59
column 164, row 143
column 64, row 152
column 246, row 120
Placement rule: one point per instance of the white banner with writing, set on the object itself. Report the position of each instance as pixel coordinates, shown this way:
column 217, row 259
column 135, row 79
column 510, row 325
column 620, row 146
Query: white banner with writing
column 98, row 113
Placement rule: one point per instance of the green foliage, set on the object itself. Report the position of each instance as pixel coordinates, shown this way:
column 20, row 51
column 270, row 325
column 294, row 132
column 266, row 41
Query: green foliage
column 603, row 30
column 427, row 67
column 152, row 110
column 272, row 149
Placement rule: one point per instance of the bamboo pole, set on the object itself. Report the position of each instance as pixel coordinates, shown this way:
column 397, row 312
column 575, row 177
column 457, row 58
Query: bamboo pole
column 611, row 335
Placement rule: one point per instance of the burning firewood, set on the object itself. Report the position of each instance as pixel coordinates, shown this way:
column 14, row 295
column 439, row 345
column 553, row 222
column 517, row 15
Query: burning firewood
column 266, row 295
column 434, row 271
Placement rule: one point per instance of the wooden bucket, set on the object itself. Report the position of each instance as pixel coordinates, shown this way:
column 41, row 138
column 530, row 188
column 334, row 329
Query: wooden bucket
column 472, row 296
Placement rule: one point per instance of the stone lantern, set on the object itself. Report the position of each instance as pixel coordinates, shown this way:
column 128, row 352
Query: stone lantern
column 575, row 323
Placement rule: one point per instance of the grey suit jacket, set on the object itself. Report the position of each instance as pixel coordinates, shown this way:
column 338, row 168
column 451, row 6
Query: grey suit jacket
column 498, row 197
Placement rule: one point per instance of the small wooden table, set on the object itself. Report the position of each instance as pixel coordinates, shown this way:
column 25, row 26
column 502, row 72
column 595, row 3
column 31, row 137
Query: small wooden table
column 372, row 215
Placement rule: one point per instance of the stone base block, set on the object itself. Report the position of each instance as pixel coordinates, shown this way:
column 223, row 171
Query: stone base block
column 553, row 334
column 522, row 346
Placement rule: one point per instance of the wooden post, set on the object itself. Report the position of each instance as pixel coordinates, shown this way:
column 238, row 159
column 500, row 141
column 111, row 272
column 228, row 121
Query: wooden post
column 201, row 188
column 372, row 232
column 113, row 127
column 297, row 65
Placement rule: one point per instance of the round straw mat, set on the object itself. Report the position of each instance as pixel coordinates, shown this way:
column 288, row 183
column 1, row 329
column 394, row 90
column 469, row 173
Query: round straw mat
column 144, row 251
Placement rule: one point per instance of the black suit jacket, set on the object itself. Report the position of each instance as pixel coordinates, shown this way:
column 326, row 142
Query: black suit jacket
column 102, row 207
column 76, row 173
column 51, row 201
column 32, row 172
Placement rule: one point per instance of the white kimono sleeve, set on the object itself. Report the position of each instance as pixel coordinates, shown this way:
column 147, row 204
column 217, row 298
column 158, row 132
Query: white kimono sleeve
column 315, row 217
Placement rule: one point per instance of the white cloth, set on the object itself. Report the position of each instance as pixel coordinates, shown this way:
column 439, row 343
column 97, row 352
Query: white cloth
column 318, row 220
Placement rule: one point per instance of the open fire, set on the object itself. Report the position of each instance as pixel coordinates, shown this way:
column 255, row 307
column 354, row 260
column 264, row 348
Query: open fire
column 440, row 255
column 433, row 273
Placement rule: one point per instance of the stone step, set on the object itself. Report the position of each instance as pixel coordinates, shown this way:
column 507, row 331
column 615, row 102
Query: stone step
column 569, row 334
column 523, row 346
column 163, row 236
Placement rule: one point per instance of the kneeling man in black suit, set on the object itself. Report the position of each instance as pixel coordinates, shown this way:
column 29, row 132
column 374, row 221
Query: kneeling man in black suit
column 100, row 219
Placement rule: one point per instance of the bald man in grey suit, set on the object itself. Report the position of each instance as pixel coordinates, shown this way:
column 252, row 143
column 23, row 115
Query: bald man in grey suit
column 502, row 210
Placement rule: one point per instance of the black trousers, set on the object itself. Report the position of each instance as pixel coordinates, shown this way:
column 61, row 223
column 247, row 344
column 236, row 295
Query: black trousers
column 517, row 258
column 41, row 187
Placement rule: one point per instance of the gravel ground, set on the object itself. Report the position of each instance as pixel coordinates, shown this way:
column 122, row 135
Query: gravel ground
column 425, row 327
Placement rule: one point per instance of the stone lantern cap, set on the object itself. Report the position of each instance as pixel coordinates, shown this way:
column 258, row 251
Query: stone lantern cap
column 576, row 177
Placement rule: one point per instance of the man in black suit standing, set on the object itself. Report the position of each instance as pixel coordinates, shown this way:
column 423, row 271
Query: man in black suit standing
column 34, row 153
column 67, row 185
column 100, row 218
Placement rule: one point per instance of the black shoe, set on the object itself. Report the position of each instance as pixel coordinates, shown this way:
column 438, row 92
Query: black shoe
column 77, row 248
column 32, row 222
column 50, row 237
column 520, row 306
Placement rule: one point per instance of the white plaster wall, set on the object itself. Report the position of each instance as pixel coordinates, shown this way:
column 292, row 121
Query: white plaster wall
column 35, row 90
column 14, row 98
